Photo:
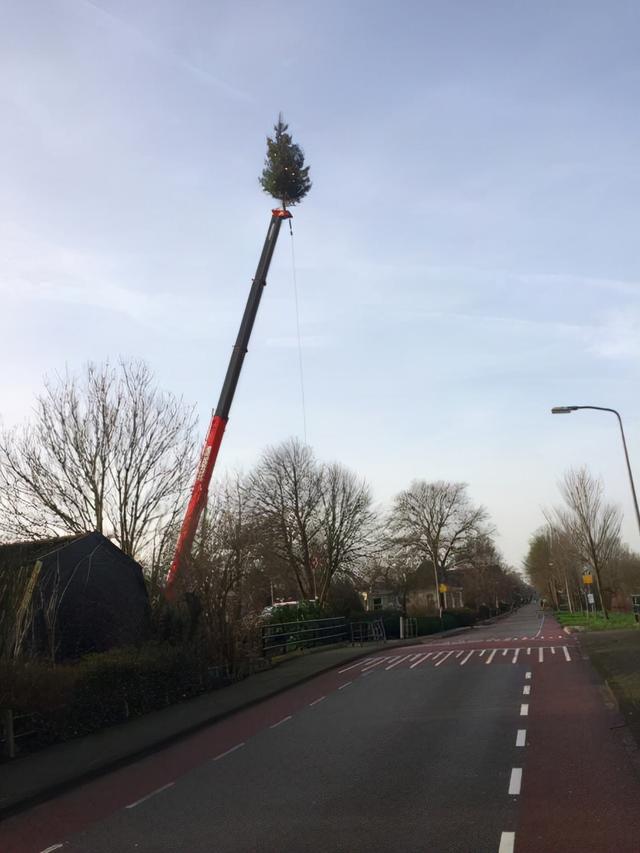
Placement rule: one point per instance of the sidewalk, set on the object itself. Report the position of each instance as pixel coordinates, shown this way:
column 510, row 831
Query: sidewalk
column 43, row 774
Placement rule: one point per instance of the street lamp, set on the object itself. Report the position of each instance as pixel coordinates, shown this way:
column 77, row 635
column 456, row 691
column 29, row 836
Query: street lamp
column 566, row 410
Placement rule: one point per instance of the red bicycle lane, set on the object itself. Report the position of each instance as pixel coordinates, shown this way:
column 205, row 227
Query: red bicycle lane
column 580, row 789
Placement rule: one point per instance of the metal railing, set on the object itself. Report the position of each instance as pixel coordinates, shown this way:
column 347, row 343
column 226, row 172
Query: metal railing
column 367, row 631
column 284, row 637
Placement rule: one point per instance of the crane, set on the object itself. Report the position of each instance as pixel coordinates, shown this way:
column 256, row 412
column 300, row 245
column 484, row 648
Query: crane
column 221, row 413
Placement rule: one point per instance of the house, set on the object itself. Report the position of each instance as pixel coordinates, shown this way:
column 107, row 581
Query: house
column 66, row 597
column 418, row 596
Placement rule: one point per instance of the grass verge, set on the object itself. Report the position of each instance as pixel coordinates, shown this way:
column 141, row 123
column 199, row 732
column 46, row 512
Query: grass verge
column 616, row 656
column 596, row 621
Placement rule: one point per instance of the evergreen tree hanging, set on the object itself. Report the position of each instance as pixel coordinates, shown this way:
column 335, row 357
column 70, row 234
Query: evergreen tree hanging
column 285, row 176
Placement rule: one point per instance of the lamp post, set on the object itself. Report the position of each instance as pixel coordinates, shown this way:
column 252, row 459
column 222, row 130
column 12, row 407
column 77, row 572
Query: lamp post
column 566, row 410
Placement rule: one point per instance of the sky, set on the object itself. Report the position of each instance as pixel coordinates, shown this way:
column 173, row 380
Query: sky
column 467, row 258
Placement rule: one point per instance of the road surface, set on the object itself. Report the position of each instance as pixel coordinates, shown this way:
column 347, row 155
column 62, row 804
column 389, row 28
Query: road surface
column 491, row 742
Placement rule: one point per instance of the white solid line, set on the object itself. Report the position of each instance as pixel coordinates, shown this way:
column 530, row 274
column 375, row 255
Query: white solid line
column 526, row 690
column 507, row 842
column 419, row 661
column 521, row 737
column 566, row 653
column 315, row 701
column 284, row 719
column 482, row 652
column 462, row 662
column 524, row 710
column 229, row 751
column 515, row 656
column 354, row 665
column 342, row 686
column 527, row 675
column 515, row 783
column 442, row 660
column 148, row 797
column 490, row 658
column 540, row 628
column 396, row 662
column 54, row 847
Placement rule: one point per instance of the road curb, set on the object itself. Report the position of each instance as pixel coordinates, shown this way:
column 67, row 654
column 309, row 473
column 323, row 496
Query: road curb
column 123, row 755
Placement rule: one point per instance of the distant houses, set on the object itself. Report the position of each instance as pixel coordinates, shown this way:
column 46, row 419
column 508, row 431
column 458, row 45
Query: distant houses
column 66, row 597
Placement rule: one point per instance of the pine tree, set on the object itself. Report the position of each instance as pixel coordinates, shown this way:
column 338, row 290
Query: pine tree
column 285, row 176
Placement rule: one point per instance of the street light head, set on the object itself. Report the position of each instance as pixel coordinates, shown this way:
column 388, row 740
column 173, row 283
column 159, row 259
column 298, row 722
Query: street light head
column 563, row 410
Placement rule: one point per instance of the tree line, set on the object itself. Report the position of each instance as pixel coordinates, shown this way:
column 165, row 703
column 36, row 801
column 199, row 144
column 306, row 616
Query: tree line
column 109, row 451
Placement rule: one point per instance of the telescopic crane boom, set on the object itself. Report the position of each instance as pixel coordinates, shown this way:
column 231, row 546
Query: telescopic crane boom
column 221, row 414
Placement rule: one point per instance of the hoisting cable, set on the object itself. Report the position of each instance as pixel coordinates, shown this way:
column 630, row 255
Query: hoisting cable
column 295, row 294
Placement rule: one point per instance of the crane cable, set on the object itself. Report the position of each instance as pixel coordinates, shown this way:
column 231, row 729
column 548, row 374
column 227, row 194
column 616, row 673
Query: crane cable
column 295, row 295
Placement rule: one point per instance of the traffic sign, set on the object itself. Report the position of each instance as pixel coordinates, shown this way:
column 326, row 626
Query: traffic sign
column 591, row 598
column 443, row 587
column 586, row 578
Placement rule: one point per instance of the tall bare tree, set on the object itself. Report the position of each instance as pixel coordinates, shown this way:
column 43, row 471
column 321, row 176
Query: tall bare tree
column 436, row 521
column 317, row 520
column 591, row 525
column 107, row 452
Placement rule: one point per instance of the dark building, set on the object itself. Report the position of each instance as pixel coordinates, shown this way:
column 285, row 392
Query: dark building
column 64, row 598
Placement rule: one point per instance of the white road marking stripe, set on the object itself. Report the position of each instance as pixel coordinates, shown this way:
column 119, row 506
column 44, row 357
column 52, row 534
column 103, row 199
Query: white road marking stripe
column 459, row 654
column 527, row 675
column 521, row 737
column 396, row 662
column 482, row 652
column 316, row 701
column 490, row 658
column 414, row 657
column 437, row 655
column 526, row 690
column 524, row 710
column 419, row 661
column 566, row 653
column 507, row 842
column 148, row 797
column 342, row 686
column 462, row 662
column 515, row 783
column 504, row 652
column 372, row 665
column 284, row 719
column 540, row 655
column 507, row 639
column 515, row 656
column 229, row 751
column 540, row 628
column 529, row 650
column 442, row 660
column 54, row 847
column 354, row 665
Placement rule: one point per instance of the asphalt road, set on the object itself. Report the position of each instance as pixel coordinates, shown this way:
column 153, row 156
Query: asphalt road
column 494, row 741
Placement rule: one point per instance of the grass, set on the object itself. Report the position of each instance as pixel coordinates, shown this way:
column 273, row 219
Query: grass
column 616, row 656
column 596, row 621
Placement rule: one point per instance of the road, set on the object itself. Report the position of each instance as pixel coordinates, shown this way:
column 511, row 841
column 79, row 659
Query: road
column 498, row 740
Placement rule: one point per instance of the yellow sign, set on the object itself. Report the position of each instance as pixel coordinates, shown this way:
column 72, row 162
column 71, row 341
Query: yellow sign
column 443, row 587
column 587, row 578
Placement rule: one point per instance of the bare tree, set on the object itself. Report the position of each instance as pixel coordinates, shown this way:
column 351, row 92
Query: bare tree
column 108, row 452
column 436, row 521
column 591, row 526
column 317, row 520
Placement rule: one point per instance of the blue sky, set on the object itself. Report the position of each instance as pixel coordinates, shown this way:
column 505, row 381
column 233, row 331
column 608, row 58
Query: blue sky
column 468, row 256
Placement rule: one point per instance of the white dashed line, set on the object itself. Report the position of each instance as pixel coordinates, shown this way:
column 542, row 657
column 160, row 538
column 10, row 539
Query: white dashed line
column 527, row 675
column 529, row 650
column 342, row 686
column 526, row 690
column 515, row 783
column 442, row 660
column 515, row 656
column 490, row 658
column 524, row 710
column 566, row 653
column 504, row 652
column 540, row 655
column 284, row 719
column 521, row 737
column 420, row 659
column 148, row 797
column 229, row 751
column 316, row 701
column 482, row 652
column 464, row 660
column 507, row 842
column 54, row 847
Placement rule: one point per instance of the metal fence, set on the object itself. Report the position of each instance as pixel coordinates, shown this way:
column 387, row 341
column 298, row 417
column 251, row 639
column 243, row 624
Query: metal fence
column 285, row 637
